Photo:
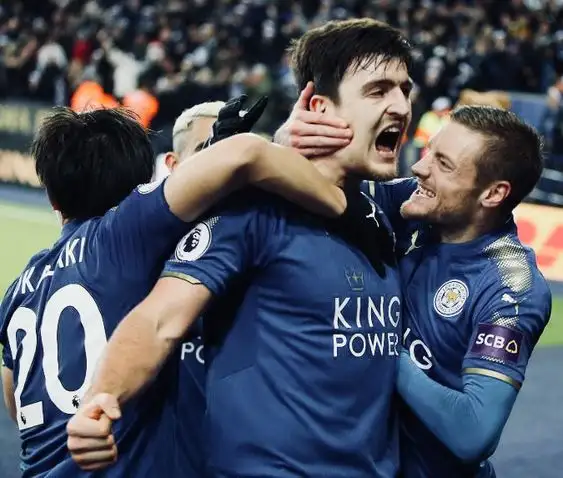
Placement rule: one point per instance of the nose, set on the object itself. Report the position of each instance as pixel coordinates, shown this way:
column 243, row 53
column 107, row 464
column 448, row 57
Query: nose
column 399, row 104
column 421, row 168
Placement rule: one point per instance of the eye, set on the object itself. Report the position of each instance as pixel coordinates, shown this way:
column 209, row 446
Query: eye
column 376, row 93
column 444, row 164
column 407, row 90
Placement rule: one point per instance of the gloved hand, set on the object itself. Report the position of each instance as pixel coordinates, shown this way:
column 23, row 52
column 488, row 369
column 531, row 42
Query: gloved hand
column 232, row 119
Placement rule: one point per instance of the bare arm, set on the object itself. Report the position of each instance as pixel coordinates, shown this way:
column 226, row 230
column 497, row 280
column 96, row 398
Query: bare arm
column 132, row 358
column 8, row 389
column 245, row 159
column 147, row 336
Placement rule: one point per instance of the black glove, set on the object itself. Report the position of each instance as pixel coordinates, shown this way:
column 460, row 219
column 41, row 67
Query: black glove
column 232, row 119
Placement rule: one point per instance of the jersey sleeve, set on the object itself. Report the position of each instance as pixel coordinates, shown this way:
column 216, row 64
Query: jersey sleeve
column 138, row 235
column 390, row 195
column 221, row 248
column 6, row 310
column 507, row 325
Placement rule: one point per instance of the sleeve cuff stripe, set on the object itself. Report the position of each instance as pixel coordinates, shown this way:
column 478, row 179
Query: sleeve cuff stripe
column 179, row 275
column 493, row 374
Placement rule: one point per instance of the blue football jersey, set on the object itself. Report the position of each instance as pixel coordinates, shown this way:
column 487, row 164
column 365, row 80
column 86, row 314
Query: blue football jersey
column 56, row 318
column 477, row 307
column 185, row 394
column 390, row 195
column 301, row 374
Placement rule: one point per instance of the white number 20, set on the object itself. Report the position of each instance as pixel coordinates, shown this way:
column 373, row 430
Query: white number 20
column 77, row 297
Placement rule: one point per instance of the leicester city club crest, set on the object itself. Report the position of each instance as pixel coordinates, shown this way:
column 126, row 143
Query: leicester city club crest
column 450, row 298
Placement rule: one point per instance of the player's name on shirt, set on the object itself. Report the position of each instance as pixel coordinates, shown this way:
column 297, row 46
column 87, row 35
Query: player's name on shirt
column 71, row 254
column 355, row 323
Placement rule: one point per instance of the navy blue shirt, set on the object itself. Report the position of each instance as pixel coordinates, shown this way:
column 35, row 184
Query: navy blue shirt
column 301, row 377
column 58, row 315
column 477, row 307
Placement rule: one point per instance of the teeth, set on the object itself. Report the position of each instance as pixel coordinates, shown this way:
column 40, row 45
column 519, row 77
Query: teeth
column 421, row 191
column 392, row 129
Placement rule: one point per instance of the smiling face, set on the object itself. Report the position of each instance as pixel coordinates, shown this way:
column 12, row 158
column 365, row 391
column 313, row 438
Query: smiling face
column 448, row 193
column 478, row 168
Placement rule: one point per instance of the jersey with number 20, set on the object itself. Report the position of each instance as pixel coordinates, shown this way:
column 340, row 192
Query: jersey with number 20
column 56, row 318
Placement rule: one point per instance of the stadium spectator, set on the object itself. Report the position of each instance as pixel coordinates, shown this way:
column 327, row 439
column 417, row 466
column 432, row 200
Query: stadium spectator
column 552, row 124
column 432, row 121
column 91, row 96
column 142, row 100
column 204, row 50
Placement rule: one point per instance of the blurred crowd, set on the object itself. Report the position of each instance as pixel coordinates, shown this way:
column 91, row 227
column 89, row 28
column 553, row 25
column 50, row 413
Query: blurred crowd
column 174, row 54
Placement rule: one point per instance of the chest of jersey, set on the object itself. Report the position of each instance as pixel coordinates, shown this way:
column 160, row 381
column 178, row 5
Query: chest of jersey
column 438, row 295
column 309, row 358
column 320, row 298
column 334, row 292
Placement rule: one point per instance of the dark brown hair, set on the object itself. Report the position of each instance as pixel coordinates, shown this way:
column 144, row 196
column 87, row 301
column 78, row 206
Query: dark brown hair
column 324, row 55
column 513, row 150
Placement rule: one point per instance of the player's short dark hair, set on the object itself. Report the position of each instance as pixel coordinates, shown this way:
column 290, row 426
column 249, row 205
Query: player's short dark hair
column 89, row 162
column 513, row 150
column 324, row 54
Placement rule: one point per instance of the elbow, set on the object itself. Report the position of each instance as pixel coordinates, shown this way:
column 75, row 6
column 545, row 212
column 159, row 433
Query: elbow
column 472, row 449
column 8, row 393
column 249, row 146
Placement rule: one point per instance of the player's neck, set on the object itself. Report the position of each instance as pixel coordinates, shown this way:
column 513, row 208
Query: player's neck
column 469, row 232
column 458, row 236
column 331, row 169
column 60, row 218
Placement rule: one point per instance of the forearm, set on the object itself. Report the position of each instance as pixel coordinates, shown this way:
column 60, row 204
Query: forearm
column 468, row 422
column 285, row 172
column 243, row 160
column 147, row 336
column 132, row 358
column 210, row 175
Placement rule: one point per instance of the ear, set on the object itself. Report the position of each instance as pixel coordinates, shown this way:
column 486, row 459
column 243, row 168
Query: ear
column 495, row 194
column 321, row 104
column 171, row 161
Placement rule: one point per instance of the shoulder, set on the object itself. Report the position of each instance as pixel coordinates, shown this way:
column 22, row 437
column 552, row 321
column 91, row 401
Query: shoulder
column 249, row 218
column 381, row 190
column 37, row 257
column 511, row 283
column 10, row 298
column 260, row 207
column 33, row 262
column 514, row 266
